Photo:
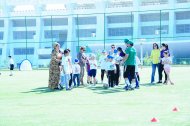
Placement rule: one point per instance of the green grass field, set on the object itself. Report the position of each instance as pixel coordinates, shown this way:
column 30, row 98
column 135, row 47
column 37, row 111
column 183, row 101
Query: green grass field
column 26, row 101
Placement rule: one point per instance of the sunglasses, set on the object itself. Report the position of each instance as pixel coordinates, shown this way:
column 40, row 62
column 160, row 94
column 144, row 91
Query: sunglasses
column 112, row 47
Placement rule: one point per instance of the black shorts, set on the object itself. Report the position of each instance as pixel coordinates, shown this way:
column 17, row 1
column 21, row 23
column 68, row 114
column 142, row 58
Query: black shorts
column 92, row 73
column 11, row 66
column 129, row 71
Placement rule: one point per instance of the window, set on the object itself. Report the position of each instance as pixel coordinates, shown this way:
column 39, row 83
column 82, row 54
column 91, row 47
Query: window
column 86, row 32
column 182, row 15
column 120, row 19
column 183, row 1
column 126, row 31
column 183, row 28
column 85, row 20
column 0, row 51
column 153, row 2
column 22, row 34
column 1, row 35
column 154, row 17
column 1, row 23
column 120, row 3
column 58, row 34
column 44, row 56
column 154, row 30
column 24, row 51
column 55, row 21
column 21, row 22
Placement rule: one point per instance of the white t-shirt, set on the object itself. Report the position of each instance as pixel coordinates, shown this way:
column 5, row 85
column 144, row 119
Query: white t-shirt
column 110, row 66
column 166, row 61
column 11, row 61
column 102, row 62
column 117, row 59
column 138, row 62
column 66, row 65
column 76, row 68
column 93, row 64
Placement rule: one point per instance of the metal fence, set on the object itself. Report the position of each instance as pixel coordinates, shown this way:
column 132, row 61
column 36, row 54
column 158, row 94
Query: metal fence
column 31, row 37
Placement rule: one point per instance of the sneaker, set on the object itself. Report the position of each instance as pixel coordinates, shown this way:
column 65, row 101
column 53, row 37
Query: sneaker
column 159, row 82
column 137, row 87
column 130, row 87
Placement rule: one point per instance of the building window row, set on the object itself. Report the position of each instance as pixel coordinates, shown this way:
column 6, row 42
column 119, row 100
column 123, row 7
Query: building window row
column 154, row 30
column 183, row 28
column 23, row 51
column 23, row 35
column 120, row 19
column 1, row 23
column 0, row 51
column 81, row 33
column 124, row 31
column 55, row 21
column 1, row 35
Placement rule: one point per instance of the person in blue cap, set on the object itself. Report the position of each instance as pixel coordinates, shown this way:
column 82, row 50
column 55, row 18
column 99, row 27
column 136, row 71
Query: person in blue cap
column 76, row 73
column 111, row 70
column 129, row 65
column 102, row 62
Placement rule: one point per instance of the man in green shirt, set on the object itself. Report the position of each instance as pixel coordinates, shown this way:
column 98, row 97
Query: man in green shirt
column 129, row 65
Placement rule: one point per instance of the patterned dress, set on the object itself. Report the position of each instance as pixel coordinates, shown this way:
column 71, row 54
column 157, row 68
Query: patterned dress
column 54, row 71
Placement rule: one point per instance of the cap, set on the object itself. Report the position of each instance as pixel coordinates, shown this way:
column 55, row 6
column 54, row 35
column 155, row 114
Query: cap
column 110, row 57
column 103, row 51
column 126, row 40
column 76, row 60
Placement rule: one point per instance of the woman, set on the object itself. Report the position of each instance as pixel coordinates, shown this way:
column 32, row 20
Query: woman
column 164, row 48
column 54, row 70
column 155, row 58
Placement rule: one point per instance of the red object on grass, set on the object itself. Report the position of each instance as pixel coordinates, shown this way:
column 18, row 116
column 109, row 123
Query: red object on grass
column 175, row 110
column 154, row 120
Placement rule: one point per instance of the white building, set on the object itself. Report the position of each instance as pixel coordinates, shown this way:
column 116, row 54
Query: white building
column 31, row 26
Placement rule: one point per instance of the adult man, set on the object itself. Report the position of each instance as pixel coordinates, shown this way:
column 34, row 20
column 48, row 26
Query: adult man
column 82, row 60
column 129, row 65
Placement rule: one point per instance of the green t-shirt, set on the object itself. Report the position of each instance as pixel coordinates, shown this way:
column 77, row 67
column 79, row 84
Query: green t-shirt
column 132, row 56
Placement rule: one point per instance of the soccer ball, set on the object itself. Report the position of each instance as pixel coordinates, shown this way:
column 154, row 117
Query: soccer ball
column 59, row 56
column 105, row 86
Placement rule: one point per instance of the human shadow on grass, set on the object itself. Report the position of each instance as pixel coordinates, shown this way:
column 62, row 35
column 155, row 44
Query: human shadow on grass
column 41, row 90
column 102, row 90
column 151, row 84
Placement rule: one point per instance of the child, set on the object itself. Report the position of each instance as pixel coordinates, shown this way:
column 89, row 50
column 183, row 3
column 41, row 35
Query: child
column 88, row 69
column 111, row 70
column 166, row 61
column 102, row 62
column 137, row 77
column 66, row 70
column 70, row 64
column 76, row 73
column 11, row 64
column 117, row 60
column 93, row 68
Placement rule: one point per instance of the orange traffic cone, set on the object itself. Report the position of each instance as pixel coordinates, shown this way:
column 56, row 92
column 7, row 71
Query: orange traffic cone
column 154, row 120
column 175, row 109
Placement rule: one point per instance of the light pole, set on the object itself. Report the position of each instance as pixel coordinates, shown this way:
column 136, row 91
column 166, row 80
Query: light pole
column 141, row 49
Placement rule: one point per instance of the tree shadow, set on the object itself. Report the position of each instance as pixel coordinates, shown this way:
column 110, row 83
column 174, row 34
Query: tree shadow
column 41, row 90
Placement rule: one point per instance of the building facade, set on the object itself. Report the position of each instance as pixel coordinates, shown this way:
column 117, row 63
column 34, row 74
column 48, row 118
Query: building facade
column 29, row 27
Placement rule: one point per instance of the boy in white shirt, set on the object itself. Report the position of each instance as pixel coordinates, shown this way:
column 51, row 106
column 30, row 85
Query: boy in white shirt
column 66, row 70
column 76, row 73
column 11, row 64
column 93, row 68
column 102, row 62
column 111, row 70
